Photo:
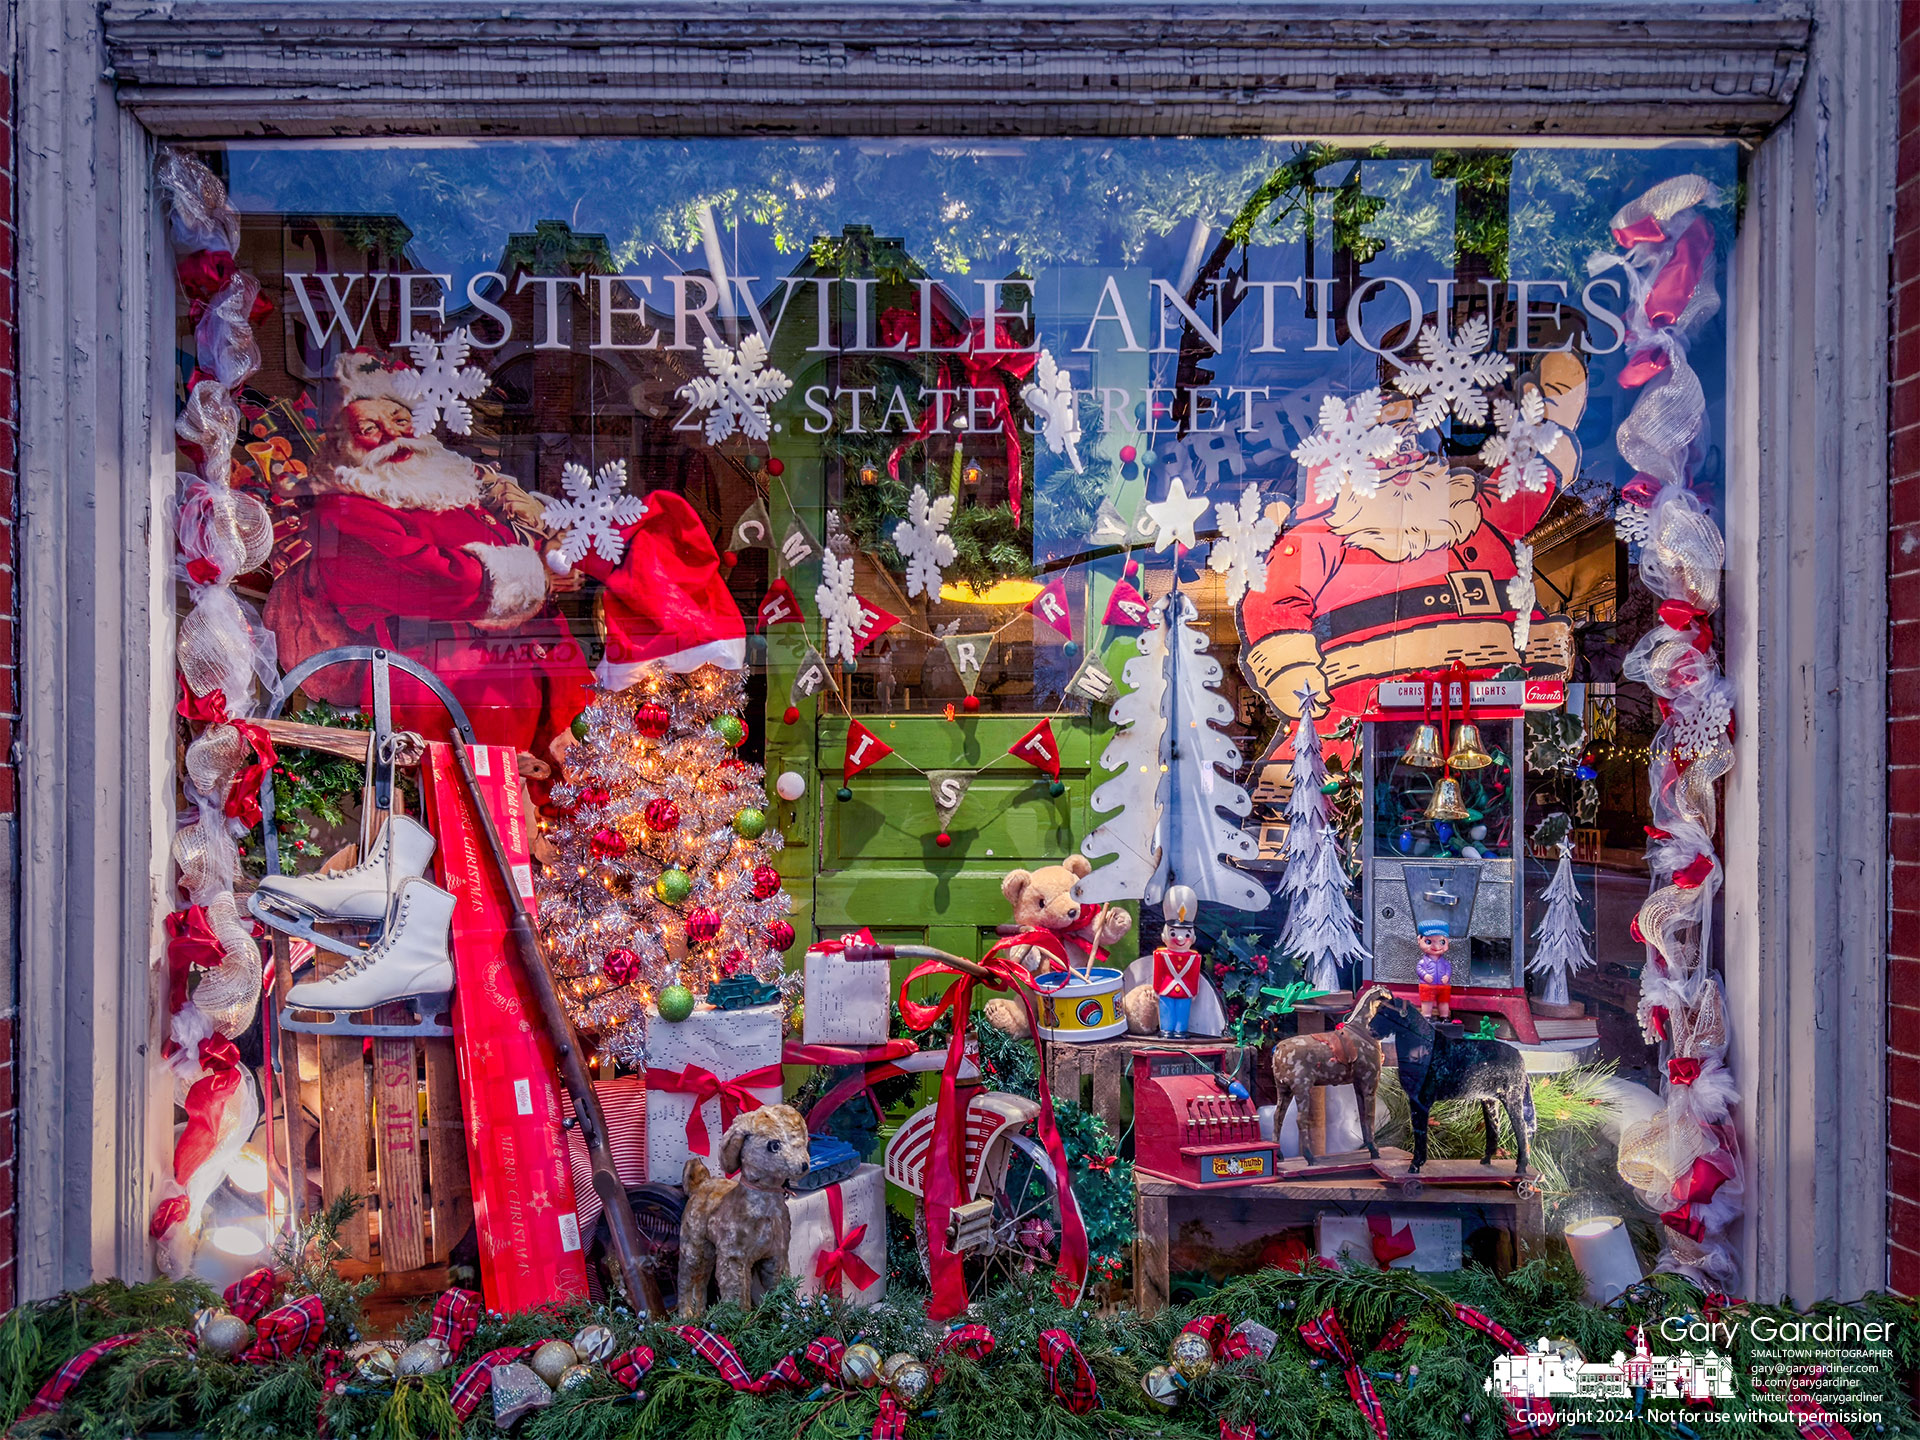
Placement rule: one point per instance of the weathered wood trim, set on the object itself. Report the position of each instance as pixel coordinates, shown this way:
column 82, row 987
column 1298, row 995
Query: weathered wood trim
column 628, row 67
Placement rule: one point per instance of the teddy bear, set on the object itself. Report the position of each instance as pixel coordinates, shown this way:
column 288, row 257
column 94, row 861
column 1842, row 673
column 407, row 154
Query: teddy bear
column 1043, row 899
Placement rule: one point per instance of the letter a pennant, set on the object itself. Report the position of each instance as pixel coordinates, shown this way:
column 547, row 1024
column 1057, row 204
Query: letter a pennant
column 1039, row 749
column 1127, row 606
column 781, row 606
column 1050, row 605
column 864, row 748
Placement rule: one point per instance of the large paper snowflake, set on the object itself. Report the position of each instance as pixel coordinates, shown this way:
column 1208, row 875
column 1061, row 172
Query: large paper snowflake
column 1520, row 595
column 839, row 607
column 738, row 387
column 923, row 539
column 1050, row 397
column 593, row 511
column 1454, row 374
column 1246, row 534
column 1630, row 522
column 1700, row 728
column 1345, row 445
column 438, row 388
column 1518, row 447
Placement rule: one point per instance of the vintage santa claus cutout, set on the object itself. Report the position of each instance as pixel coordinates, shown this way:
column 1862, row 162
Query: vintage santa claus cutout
column 1418, row 570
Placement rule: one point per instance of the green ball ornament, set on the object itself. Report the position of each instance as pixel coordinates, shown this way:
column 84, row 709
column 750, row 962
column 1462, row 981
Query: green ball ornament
column 676, row 1003
column 579, row 727
column 673, row 886
column 843, row 794
column 730, row 728
column 750, row 824
column 1056, row 789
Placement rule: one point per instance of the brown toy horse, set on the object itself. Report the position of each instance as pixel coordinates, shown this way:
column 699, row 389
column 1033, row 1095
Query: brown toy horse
column 1349, row 1055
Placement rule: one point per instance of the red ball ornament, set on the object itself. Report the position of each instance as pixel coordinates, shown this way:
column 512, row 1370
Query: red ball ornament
column 735, row 962
column 972, row 702
column 621, row 966
column 652, row 720
column 791, row 715
column 728, row 559
column 776, row 466
column 662, row 814
column 607, row 841
column 766, row 882
column 779, row 935
column 943, row 839
column 1128, row 454
column 703, row 923
column 593, row 795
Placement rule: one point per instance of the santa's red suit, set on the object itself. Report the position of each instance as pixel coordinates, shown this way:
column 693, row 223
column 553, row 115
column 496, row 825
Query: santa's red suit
column 430, row 573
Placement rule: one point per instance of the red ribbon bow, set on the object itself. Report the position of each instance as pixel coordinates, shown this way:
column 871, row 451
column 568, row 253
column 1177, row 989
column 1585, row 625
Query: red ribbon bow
column 841, row 1261
column 250, row 1294
column 946, row 1154
column 1067, row 1373
column 1325, row 1336
column 292, row 1330
column 1683, row 1069
column 735, row 1096
column 456, row 1315
column 477, row 1379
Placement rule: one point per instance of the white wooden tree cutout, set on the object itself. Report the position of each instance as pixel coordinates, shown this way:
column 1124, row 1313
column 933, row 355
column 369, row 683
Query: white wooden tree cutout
column 1135, row 797
column 591, row 514
column 922, row 538
column 1321, row 926
column 1560, row 944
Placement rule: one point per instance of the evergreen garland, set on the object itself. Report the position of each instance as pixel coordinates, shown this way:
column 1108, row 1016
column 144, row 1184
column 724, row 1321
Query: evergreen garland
column 311, row 790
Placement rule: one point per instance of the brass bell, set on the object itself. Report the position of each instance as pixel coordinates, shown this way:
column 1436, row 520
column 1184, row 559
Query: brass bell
column 1467, row 752
column 1425, row 749
column 1445, row 804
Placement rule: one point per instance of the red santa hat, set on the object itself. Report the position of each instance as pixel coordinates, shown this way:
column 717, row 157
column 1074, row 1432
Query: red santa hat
column 363, row 375
column 665, row 603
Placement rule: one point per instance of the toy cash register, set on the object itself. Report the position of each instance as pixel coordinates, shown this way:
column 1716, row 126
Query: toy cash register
column 1194, row 1124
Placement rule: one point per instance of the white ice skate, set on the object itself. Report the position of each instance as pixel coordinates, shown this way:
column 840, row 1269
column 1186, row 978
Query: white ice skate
column 411, row 962
column 361, row 896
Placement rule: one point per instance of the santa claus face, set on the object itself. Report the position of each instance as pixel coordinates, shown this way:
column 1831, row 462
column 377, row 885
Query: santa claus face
column 375, row 452
column 1420, row 505
column 366, row 425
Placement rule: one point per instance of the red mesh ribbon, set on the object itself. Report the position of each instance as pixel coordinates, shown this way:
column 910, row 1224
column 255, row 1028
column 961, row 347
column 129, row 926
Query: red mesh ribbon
column 250, row 1294
column 841, row 1261
column 456, row 1315
column 205, row 1103
column 1067, row 1373
column 1325, row 1336
column 1683, row 1069
column 943, row 1180
column 735, row 1095
column 1526, row 1419
column 476, row 1381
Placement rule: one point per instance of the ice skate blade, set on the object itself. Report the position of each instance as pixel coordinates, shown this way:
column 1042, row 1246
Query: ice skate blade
column 425, row 1026
column 299, row 924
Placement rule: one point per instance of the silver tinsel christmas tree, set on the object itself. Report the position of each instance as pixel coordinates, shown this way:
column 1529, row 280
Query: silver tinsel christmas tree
column 665, row 872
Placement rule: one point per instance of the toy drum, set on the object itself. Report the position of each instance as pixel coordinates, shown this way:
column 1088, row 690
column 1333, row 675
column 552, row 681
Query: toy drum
column 1079, row 1005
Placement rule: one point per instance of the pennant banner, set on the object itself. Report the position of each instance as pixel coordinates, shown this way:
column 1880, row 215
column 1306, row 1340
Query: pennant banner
column 1092, row 682
column 1039, row 749
column 1050, row 605
column 969, row 655
column 874, row 622
column 753, row 530
column 781, row 606
column 811, row 677
column 864, row 748
column 949, row 789
column 797, row 546
column 1127, row 607
column 1109, row 525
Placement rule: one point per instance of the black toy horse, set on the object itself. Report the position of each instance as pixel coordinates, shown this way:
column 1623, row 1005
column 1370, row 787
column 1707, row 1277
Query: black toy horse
column 1437, row 1065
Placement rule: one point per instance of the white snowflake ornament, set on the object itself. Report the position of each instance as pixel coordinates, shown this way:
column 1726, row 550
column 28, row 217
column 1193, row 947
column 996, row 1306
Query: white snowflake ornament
column 922, row 537
column 1050, row 397
column 1453, row 375
column 441, row 384
column 839, row 607
column 1701, row 728
column 738, row 387
column 1630, row 523
column 1346, row 445
column 592, row 513
column 1517, row 449
column 1246, row 534
column 1520, row 595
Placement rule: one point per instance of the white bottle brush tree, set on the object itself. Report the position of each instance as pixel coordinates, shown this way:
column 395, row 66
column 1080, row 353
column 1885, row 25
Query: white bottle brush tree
column 1560, row 944
column 1321, row 932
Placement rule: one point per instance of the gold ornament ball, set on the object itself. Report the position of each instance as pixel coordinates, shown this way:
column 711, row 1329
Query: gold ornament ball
column 1162, row 1387
column 221, row 1333
column 374, row 1360
column 861, row 1366
column 575, row 1377
column 1190, row 1355
column 423, row 1357
column 595, row 1345
column 550, row 1361
column 907, row 1378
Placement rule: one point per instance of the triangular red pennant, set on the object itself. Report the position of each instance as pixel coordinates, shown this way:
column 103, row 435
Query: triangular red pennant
column 864, row 748
column 1050, row 605
column 1039, row 749
column 781, row 606
column 874, row 622
column 1126, row 606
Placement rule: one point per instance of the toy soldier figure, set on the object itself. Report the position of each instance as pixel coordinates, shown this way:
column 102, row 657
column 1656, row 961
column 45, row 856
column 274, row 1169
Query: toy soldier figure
column 1176, row 964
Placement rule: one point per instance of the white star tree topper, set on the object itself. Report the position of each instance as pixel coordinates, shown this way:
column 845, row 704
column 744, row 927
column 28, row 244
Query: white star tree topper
column 1051, row 399
column 1246, row 534
column 738, row 387
column 1346, row 445
column 441, row 384
column 1174, row 517
column 922, row 537
column 591, row 514
column 1518, row 447
column 839, row 606
column 1453, row 375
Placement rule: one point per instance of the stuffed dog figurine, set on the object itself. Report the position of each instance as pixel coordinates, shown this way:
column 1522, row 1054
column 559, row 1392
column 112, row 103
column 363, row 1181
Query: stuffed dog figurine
column 735, row 1225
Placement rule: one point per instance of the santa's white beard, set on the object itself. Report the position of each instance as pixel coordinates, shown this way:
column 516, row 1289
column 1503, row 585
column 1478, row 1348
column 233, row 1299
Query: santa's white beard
column 1404, row 522
column 414, row 472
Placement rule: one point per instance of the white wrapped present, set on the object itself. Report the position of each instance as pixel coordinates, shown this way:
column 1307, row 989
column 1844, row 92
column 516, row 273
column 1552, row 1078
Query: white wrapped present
column 1360, row 1240
column 701, row 1073
column 840, row 1234
column 845, row 1001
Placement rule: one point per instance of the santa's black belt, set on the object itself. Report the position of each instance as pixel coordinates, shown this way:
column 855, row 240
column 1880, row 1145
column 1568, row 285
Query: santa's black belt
column 1470, row 593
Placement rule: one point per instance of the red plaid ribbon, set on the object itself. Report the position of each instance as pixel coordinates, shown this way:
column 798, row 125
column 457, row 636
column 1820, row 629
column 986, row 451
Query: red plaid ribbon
column 630, row 1367
column 456, row 1315
column 1809, row 1418
column 973, row 1341
column 250, row 1294
column 53, row 1394
column 477, row 1379
column 1526, row 1419
column 289, row 1331
column 1325, row 1336
column 1395, row 1337
column 823, row 1354
column 841, row 1261
column 1067, row 1372
column 1227, row 1346
column 1235, row 1432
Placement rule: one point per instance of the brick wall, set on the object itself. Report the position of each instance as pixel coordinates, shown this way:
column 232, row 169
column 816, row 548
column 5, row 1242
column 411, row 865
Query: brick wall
column 9, row 657
column 1903, row 691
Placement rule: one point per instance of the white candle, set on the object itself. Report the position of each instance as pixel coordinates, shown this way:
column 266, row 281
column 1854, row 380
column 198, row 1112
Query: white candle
column 1603, row 1253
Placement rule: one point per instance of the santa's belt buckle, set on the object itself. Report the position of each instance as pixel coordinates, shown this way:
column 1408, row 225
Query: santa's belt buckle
column 1474, row 593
